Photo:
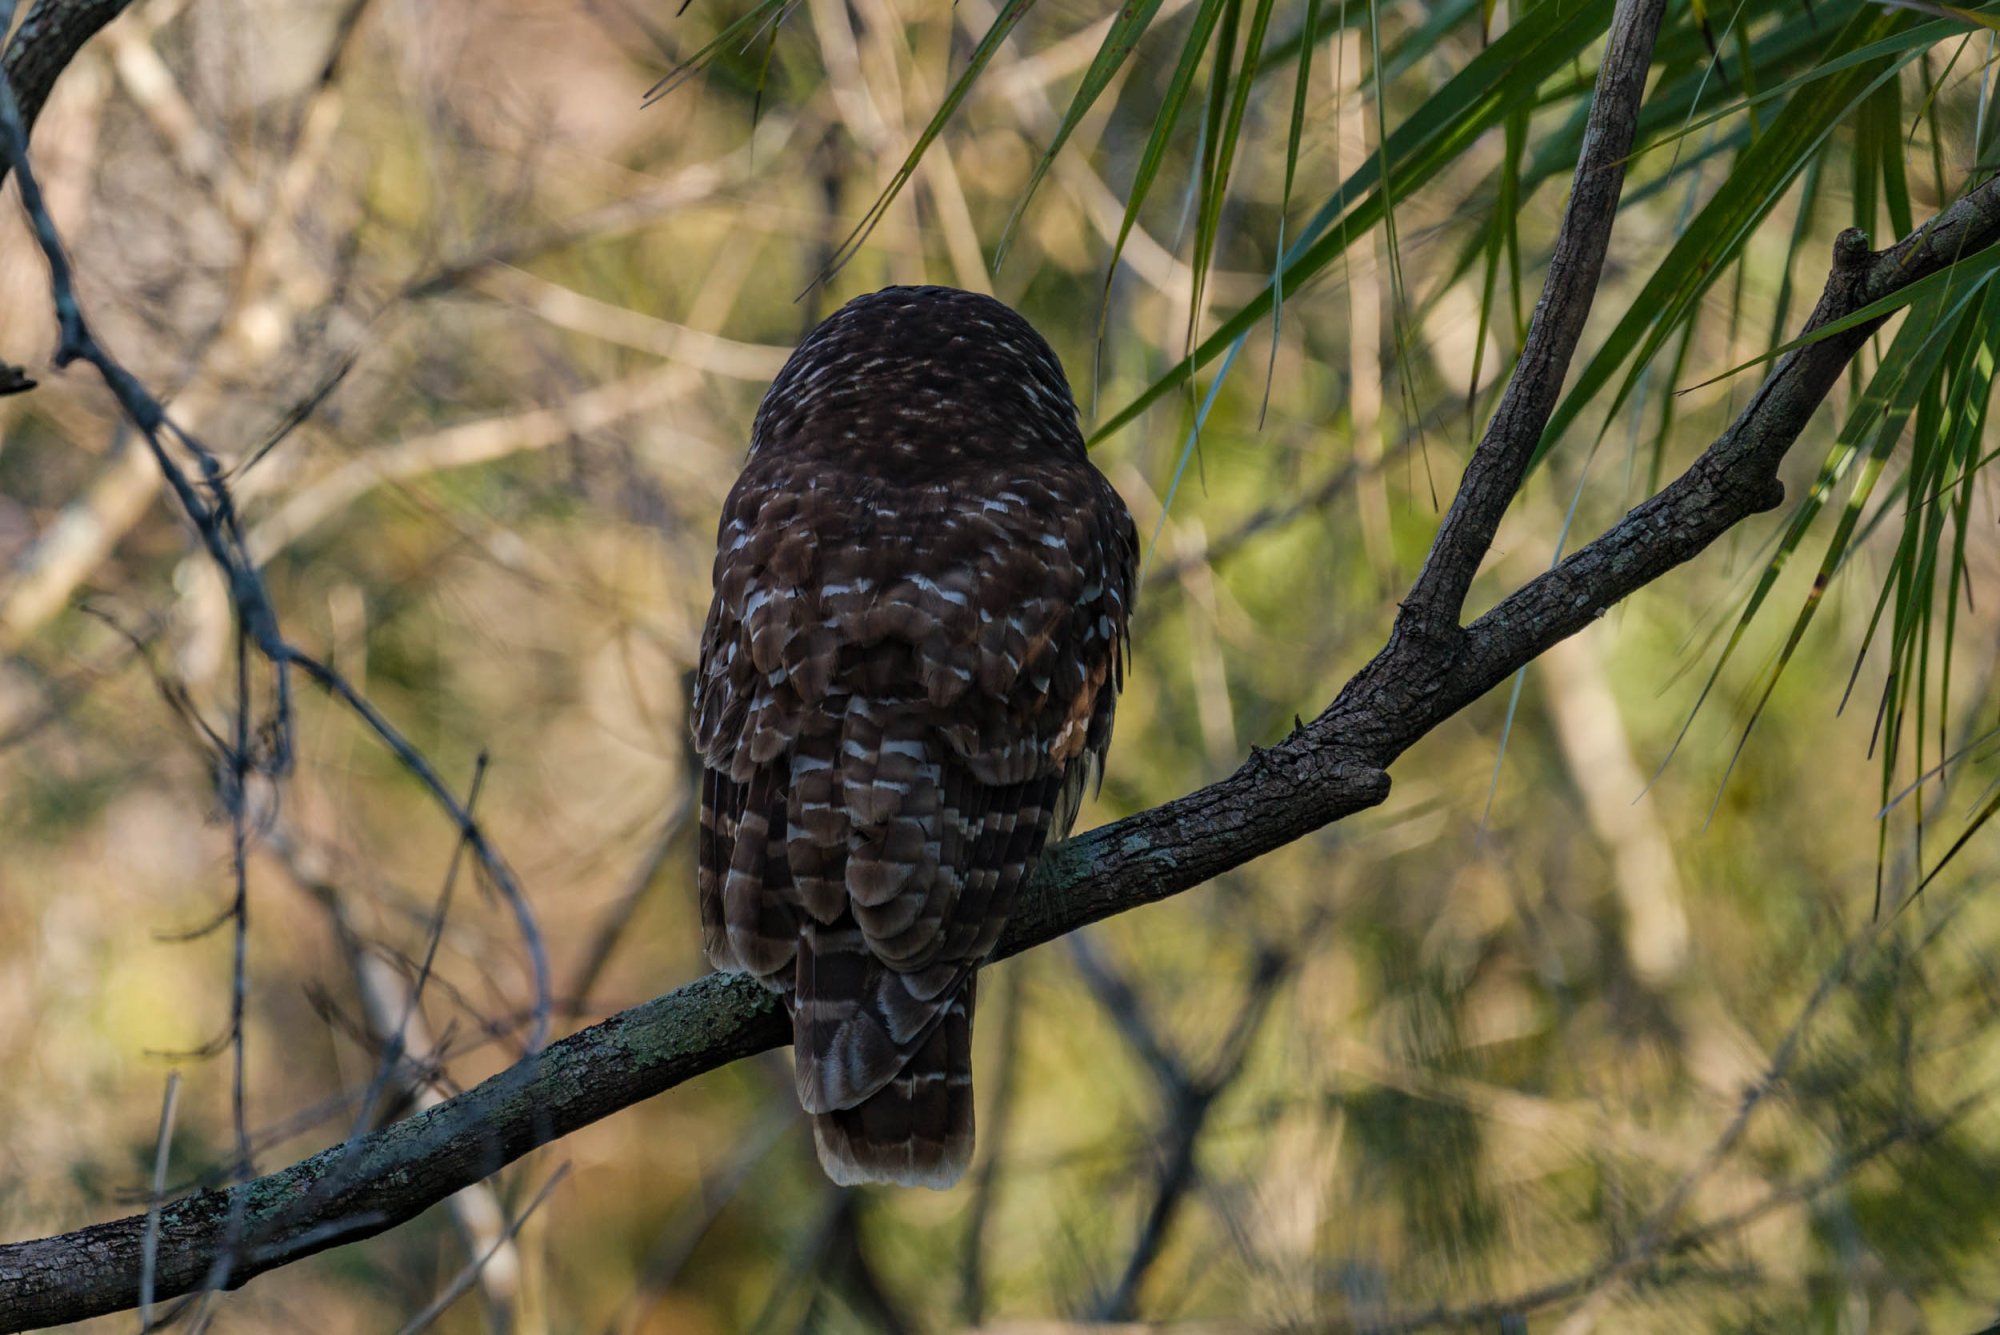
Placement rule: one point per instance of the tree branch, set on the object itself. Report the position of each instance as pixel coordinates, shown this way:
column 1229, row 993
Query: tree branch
column 42, row 47
column 1322, row 772
column 47, row 40
column 1500, row 462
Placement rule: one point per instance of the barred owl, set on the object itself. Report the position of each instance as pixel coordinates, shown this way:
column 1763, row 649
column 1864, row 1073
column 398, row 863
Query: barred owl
column 906, row 684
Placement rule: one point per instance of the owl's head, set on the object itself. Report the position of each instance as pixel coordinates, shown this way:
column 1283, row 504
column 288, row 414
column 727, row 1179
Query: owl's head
column 917, row 380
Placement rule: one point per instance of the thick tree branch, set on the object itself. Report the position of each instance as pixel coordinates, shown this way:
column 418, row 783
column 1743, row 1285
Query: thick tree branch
column 48, row 39
column 50, row 35
column 1325, row 770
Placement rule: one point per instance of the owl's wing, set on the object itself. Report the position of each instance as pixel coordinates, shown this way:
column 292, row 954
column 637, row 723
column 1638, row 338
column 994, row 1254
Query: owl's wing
column 900, row 693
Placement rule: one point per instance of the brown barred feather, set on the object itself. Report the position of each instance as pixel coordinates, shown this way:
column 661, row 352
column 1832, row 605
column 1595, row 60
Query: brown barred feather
column 907, row 684
column 921, row 1134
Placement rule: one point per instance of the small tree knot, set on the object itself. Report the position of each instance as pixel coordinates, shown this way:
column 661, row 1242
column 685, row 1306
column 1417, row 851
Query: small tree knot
column 1850, row 250
column 1769, row 495
column 1363, row 784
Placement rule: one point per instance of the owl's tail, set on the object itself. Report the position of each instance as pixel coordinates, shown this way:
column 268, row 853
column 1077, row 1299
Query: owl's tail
column 916, row 1130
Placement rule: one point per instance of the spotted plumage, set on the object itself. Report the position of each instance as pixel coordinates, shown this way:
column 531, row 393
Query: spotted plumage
column 906, row 685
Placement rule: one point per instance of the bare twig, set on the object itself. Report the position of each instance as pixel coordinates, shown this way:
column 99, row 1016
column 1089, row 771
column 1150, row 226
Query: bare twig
column 214, row 516
column 214, row 519
column 161, row 1150
column 993, row 1140
column 490, row 861
column 466, row 1278
column 1189, row 1099
column 396, row 1026
column 693, row 1219
column 210, row 510
column 239, row 909
column 619, row 916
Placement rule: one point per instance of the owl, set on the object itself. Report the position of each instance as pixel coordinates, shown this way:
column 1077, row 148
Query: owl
column 906, row 685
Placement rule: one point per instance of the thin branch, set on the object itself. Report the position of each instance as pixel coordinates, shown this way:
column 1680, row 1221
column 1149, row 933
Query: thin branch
column 1500, row 462
column 213, row 516
column 1190, row 1099
column 496, row 868
column 986, row 1178
column 240, row 762
column 395, row 1026
column 168, row 1103
column 693, row 1219
column 1630, row 1263
column 469, row 1276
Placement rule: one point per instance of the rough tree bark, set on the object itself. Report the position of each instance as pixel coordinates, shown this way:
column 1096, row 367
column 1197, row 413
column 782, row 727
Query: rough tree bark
column 50, row 35
column 1432, row 666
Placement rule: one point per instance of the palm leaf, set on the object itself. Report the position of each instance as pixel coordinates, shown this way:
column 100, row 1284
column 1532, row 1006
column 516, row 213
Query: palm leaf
column 1131, row 23
column 982, row 55
column 1499, row 80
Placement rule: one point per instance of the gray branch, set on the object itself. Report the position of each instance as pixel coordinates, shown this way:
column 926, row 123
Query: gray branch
column 50, row 35
column 1500, row 462
column 1325, row 770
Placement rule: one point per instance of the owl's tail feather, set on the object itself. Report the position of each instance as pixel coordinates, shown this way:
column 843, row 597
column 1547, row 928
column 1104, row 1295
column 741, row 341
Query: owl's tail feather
column 916, row 1130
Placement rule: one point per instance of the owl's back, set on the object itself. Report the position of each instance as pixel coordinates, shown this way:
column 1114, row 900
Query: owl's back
column 908, row 675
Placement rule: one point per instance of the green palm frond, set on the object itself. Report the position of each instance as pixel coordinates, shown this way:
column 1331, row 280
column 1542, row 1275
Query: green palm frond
column 1755, row 121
